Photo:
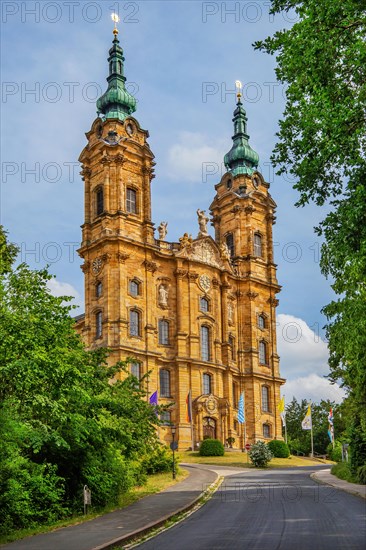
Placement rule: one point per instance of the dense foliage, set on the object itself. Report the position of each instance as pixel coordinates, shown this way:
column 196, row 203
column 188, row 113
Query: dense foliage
column 62, row 423
column 211, row 447
column 299, row 440
column 322, row 143
column 260, row 454
column 279, row 449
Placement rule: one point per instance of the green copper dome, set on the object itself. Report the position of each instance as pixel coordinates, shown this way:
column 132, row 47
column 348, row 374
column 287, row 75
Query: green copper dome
column 241, row 159
column 116, row 102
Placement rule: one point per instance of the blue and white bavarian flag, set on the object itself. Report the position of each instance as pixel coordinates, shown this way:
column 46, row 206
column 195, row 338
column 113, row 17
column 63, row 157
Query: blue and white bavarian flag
column 241, row 414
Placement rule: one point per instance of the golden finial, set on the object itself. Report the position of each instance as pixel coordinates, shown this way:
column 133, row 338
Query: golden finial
column 115, row 18
column 239, row 88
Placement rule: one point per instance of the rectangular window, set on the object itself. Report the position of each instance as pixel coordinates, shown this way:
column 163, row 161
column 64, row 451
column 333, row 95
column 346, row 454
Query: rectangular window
column 266, row 431
column 100, row 201
column 98, row 324
column 206, row 383
column 205, row 343
column 204, row 305
column 265, row 400
column 134, row 323
column 257, row 245
column 134, row 288
column 98, row 290
column 262, row 353
column 164, row 377
column 136, row 370
column 163, row 332
column 131, row 205
column 165, row 418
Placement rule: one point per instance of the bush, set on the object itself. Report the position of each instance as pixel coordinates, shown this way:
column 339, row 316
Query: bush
column 211, row 447
column 343, row 471
column 260, row 454
column 160, row 460
column 336, row 453
column 279, row 449
column 361, row 474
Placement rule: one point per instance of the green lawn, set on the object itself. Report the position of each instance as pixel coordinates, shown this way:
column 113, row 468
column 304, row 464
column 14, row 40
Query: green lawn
column 241, row 460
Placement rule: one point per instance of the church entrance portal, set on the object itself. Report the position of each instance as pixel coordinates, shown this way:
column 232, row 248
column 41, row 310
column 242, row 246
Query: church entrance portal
column 209, row 428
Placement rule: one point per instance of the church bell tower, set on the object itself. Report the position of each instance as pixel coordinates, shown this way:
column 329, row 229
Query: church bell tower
column 198, row 315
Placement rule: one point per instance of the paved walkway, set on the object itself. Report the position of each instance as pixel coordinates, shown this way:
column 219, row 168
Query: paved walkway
column 104, row 532
column 324, row 476
column 123, row 525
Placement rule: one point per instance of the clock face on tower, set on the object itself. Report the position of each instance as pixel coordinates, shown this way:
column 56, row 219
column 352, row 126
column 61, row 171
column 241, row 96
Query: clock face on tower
column 205, row 283
column 97, row 265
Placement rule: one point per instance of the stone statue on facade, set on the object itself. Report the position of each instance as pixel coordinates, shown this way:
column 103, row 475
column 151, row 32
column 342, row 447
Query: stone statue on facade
column 225, row 252
column 202, row 222
column 163, row 294
column 230, row 313
column 163, row 231
column 185, row 241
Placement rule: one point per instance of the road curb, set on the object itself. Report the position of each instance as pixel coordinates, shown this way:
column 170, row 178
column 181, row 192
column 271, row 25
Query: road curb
column 346, row 488
column 138, row 533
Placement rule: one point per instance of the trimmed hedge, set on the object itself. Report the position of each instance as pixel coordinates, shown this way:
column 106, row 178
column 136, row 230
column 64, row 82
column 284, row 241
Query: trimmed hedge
column 279, row 448
column 211, row 447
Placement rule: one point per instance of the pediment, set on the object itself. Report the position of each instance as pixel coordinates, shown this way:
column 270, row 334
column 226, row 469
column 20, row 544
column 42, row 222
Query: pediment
column 203, row 250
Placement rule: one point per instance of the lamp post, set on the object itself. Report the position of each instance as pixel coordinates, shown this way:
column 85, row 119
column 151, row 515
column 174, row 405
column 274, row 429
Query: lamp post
column 173, row 445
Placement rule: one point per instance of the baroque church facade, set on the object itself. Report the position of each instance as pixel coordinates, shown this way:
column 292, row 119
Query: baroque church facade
column 198, row 314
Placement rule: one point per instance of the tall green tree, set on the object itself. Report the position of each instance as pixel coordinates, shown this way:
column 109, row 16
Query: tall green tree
column 322, row 143
column 63, row 423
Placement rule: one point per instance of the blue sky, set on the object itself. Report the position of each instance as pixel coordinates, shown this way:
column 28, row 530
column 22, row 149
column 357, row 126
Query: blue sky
column 182, row 59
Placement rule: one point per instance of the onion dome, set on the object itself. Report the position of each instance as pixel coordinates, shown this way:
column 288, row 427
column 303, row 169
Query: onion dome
column 241, row 159
column 116, row 102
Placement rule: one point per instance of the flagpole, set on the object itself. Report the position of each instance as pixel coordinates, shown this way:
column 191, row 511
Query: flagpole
column 191, row 416
column 311, row 433
column 284, row 412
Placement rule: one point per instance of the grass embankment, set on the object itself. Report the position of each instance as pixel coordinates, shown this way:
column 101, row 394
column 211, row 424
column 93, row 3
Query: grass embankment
column 342, row 471
column 155, row 484
column 241, row 460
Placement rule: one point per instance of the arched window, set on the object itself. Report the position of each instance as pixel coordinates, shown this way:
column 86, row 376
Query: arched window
column 135, row 324
column 163, row 332
column 134, row 288
column 261, row 321
column 131, row 201
column 98, row 324
column 164, row 376
column 136, row 370
column 230, row 244
column 119, row 64
column 98, row 289
column 263, row 359
column 265, row 398
column 204, row 304
column 165, row 418
column 258, row 245
column 206, row 384
column 110, row 67
column 229, row 184
column 99, row 196
column 266, row 431
column 205, row 343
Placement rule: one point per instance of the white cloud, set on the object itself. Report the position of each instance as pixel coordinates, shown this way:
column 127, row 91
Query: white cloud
column 58, row 288
column 304, row 361
column 192, row 159
column 313, row 387
column 301, row 349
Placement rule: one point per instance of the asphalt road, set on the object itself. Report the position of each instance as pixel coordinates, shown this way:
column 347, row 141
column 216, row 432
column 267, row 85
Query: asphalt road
column 271, row 510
